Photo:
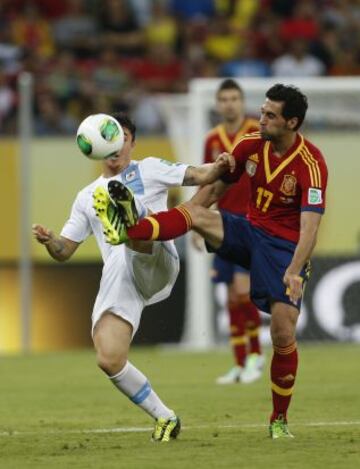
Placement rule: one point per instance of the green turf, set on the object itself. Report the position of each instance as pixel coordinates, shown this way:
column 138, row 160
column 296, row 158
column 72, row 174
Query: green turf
column 47, row 402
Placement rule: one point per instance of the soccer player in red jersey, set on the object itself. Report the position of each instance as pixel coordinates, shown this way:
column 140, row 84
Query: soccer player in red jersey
column 288, row 176
column 243, row 314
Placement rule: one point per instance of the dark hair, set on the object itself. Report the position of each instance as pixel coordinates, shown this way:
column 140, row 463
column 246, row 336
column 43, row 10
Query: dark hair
column 295, row 102
column 125, row 121
column 230, row 84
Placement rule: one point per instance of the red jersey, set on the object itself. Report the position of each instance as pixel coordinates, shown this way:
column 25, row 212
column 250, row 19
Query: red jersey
column 236, row 198
column 281, row 187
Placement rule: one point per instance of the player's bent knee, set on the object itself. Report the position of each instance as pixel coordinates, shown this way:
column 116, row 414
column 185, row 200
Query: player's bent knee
column 111, row 362
column 282, row 339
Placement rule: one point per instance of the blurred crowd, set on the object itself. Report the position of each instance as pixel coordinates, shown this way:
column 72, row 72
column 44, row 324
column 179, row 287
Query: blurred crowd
column 117, row 55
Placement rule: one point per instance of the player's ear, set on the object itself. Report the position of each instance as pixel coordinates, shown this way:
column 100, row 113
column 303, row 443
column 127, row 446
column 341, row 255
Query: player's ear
column 292, row 123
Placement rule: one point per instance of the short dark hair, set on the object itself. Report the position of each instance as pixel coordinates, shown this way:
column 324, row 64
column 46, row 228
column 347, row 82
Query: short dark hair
column 230, row 84
column 125, row 121
column 295, row 102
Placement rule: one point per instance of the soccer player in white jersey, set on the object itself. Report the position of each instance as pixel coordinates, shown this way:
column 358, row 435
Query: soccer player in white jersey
column 133, row 276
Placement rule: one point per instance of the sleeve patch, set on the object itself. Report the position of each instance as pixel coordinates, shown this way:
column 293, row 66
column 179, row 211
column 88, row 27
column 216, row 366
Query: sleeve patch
column 314, row 196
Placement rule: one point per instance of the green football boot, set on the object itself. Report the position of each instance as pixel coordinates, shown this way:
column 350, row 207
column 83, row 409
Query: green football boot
column 109, row 216
column 279, row 429
column 166, row 429
column 123, row 198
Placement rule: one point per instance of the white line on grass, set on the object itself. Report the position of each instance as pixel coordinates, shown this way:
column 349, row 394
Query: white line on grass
column 191, row 427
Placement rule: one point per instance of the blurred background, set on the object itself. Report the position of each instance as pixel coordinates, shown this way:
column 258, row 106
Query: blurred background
column 161, row 61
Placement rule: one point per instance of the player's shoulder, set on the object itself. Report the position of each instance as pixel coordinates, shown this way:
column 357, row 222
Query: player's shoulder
column 150, row 161
column 213, row 133
column 249, row 141
column 311, row 152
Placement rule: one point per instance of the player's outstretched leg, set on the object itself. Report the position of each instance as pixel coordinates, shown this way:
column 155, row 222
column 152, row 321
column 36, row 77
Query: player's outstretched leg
column 112, row 339
column 109, row 216
column 123, row 198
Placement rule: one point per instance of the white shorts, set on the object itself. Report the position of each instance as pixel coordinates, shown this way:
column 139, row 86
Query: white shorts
column 131, row 280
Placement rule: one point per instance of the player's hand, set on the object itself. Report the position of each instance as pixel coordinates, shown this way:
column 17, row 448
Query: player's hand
column 294, row 286
column 41, row 234
column 225, row 161
column 197, row 241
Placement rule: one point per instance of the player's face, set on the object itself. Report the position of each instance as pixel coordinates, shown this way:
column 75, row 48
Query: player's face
column 230, row 104
column 122, row 159
column 273, row 125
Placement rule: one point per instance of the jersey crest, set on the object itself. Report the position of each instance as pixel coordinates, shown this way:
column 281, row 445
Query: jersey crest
column 251, row 167
column 288, row 185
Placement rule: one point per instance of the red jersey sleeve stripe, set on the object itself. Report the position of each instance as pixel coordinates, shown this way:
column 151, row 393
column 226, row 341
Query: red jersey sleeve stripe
column 313, row 169
column 315, row 166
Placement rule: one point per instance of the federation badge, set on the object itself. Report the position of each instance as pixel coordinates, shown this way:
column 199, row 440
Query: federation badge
column 288, row 186
column 251, row 168
column 130, row 176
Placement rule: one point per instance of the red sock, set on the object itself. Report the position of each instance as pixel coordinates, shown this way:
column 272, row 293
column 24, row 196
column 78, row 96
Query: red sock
column 162, row 226
column 283, row 372
column 252, row 324
column 238, row 338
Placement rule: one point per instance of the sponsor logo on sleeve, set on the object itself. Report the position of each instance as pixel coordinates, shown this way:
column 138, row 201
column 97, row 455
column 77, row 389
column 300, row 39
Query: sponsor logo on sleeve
column 314, row 196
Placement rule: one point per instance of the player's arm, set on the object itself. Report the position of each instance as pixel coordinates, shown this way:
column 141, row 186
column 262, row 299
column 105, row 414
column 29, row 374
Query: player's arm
column 59, row 248
column 209, row 172
column 210, row 194
column 309, row 226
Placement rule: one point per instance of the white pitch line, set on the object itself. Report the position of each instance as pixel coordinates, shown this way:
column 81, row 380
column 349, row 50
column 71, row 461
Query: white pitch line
column 191, row 427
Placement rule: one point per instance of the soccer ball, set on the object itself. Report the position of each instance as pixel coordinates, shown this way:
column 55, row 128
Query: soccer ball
column 100, row 136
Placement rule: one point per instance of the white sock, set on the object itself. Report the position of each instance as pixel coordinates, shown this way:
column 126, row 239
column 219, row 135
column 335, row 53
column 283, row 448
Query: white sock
column 131, row 382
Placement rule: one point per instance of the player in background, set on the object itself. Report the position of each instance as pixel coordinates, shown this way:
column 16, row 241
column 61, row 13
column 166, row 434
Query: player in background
column 288, row 176
column 243, row 314
column 133, row 276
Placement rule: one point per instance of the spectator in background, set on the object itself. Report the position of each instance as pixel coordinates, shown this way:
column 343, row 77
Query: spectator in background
column 7, row 100
column 223, row 41
column 189, row 10
column 76, row 29
column 63, row 77
column 303, row 24
column 51, row 119
column 120, row 28
column 265, row 36
column 298, row 62
column 162, row 27
column 246, row 64
column 10, row 53
column 160, row 71
column 110, row 79
column 347, row 63
column 240, row 12
column 30, row 30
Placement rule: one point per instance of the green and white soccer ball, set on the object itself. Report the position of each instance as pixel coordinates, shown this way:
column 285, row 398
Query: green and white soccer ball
column 100, row 136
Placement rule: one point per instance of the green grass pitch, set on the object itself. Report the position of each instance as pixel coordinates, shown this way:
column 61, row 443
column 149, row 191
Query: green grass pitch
column 59, row 411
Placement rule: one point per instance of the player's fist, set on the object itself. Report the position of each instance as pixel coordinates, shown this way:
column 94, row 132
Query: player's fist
column 294, row 285
column 41, row 234
column 225, row 161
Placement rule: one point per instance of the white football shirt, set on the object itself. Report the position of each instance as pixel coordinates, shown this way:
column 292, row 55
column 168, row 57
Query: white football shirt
column 149, row 179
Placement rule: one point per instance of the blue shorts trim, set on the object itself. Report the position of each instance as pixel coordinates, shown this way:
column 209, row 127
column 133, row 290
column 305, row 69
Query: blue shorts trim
column 265, row 256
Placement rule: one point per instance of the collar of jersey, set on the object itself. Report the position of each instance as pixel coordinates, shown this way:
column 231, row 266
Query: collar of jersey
column 272, row 175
